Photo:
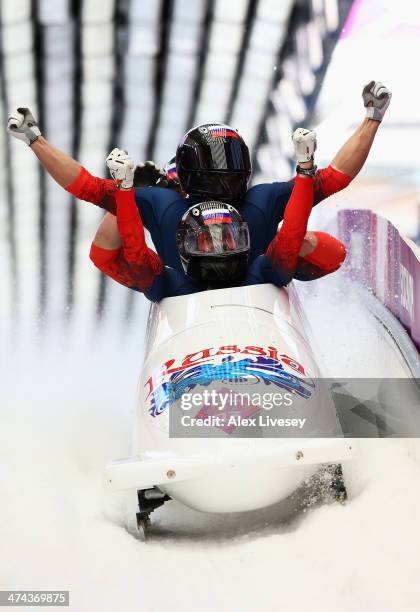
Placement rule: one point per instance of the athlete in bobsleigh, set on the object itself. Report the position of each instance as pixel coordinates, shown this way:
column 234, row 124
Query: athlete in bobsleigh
column 213, row 163
column 212, row 239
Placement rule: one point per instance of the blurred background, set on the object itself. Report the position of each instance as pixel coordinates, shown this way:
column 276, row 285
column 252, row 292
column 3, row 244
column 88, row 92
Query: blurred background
column 137, row 74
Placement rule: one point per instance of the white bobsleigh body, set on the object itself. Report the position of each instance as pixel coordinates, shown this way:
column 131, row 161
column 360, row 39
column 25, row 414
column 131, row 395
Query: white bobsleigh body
column 248, row 338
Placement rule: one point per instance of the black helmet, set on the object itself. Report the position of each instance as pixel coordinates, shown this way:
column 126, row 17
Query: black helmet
column 213, row 243
column 212, row 160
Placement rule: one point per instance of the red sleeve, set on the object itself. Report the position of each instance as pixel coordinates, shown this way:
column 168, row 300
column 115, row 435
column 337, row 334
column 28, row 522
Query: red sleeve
column 94, row 189
column 134, row 264
column 284, row 249
column 328, row 181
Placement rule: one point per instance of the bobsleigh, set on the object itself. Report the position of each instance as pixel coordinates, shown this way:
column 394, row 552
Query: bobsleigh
column 233, row 414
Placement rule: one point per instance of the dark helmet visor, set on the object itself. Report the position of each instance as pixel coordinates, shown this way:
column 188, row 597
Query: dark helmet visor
column 218, row 185
column 229, row 156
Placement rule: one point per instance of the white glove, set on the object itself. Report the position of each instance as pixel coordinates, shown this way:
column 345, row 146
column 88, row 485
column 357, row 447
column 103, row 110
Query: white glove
column 378, row 97
column 121, row 167
column 22, row 125
column 304, row 142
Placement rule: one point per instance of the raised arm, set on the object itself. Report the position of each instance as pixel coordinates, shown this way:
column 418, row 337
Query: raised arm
column 353, row 154
column 119, row 248
column 23, row 126
column 284, row 249
column 63, row 168
column 68, row 173
column 351, row 157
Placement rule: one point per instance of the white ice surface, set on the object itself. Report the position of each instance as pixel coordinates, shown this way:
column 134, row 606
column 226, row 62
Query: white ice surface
column 348, row 339
column 66, row 411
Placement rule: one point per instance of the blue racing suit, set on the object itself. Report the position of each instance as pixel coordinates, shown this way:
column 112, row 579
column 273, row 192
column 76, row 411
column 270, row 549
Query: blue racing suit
column 161, row 209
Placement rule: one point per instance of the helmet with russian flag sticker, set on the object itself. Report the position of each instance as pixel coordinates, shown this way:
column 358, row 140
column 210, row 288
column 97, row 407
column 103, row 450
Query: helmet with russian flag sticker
column 213, row 161
column 170, row 170
column 213, row 243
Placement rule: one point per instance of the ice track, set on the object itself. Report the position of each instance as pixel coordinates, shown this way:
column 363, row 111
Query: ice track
column 66, row 411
